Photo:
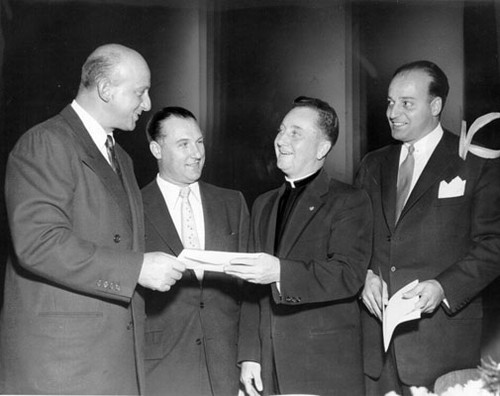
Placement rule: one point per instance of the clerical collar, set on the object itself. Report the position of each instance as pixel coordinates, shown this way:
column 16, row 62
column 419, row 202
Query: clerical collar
column 304, row 181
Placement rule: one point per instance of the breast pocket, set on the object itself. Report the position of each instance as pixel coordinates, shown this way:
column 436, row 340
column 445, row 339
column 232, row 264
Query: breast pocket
column 451, row 201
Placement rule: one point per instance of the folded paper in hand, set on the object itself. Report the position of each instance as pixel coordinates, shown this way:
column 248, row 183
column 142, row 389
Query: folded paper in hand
column 210, row 260
column 399, row 310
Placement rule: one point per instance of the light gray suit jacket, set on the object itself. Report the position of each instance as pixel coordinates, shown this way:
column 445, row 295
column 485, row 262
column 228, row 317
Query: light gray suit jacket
column 72, row 321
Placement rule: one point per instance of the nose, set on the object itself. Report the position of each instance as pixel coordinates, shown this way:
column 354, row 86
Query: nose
column 281, row 139
column 146, row 102
column 392, row 110
column 195, row 151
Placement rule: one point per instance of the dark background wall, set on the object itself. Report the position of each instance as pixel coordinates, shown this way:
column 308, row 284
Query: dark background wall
column 238, row 64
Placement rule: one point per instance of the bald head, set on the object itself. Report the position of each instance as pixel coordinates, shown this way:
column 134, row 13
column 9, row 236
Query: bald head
column 114, row 86
column 102, row 64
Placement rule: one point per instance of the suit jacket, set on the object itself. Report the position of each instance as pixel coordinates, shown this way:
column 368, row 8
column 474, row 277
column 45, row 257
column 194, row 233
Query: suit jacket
column 193, row 328
column 312, row 324
column 71, row 321
column 454, row 240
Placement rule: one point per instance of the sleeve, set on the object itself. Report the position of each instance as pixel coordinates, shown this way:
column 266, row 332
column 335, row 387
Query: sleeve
column 249, row 347
column 339, row 272
column 45, row 188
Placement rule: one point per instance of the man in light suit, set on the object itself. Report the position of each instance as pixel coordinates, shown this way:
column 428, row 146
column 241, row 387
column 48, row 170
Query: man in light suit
column 72, row 322
column 446, row 234
column 191, row 332
column 301, row 333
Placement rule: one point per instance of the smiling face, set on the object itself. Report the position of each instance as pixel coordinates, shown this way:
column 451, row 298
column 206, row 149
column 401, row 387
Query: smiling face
column 300, row 145
column 412, row 113
column 180, row 151
column 129, row 93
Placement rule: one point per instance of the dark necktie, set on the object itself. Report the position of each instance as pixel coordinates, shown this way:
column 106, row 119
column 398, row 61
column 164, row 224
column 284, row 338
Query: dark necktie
column 110, row 148
column 405, row 176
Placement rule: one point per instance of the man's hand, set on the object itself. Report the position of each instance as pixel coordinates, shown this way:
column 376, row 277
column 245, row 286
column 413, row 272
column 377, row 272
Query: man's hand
column 262, row 269
column 431, row 294
column 250, row 378
column 374, row 294
column 160, row 271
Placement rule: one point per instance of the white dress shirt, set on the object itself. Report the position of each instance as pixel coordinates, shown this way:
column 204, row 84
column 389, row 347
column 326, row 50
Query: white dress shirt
column 95, row 130
column 171, row 195
column 423, row 151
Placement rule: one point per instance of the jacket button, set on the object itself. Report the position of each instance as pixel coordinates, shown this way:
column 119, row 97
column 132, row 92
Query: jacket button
column 202, row 304
column 117, row 238
column 130, row 325
column 105, row 284
column 288, row 299
column 389, row 237
column 393, row 269
column 198, row 341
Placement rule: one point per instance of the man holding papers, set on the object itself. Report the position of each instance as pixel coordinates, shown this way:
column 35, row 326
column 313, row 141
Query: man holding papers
column 191, row 334
column 302, row 333
column 437, row 220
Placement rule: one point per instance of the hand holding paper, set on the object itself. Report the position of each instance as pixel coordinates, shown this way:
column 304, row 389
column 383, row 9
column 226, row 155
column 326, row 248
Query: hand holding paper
column 431, row 295
column 374, row 294
column 261, row 268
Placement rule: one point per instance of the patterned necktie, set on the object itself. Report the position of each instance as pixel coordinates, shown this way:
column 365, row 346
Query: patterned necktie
column 189, row 234
column 110, row 148
column 405, row 176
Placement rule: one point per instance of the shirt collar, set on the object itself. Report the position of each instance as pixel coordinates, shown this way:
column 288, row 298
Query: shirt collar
column 171, row 191
column 296, row 182
column 95, row 129
column 426, row 145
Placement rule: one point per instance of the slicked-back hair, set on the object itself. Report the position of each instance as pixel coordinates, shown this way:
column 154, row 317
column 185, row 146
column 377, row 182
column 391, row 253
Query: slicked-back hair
column 328, row 121
column 438, row 87
column 99, row 66
column 153, row 129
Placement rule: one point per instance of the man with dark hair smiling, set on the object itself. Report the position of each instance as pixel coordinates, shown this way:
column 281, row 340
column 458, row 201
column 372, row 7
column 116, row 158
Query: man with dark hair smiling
column 191, row 332
column 436, row 220
column 301, row 333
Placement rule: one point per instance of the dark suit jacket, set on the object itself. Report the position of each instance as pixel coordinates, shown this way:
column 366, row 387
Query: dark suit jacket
column 194, row 327
column 71, row 321
column 454, row 240
column 313, row 325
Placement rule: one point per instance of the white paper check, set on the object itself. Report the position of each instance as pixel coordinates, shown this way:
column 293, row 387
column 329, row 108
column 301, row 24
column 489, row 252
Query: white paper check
column 211, row 260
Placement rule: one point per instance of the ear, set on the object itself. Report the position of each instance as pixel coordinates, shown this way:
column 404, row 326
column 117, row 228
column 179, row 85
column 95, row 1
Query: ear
column 155, row 149
column 104, row 90
column 436, row 106
column 323, row 149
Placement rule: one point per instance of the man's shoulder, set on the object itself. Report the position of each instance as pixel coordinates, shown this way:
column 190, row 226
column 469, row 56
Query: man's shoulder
column 150, row 189
column 225, row 193
column 54, row 131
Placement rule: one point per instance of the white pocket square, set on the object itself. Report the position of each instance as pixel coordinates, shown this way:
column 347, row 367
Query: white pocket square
column 455, row 188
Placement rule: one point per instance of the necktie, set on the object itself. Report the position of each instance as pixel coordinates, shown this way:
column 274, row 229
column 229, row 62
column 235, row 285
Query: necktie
column 110, row 148
column 405, row 175
column 189, row 234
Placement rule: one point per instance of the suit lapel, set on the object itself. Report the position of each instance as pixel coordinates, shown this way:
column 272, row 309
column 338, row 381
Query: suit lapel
column 213, row 218
column 440, row 161
column 93, row 158
column 157, row 212
column 307, row 206
column 389, row 177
